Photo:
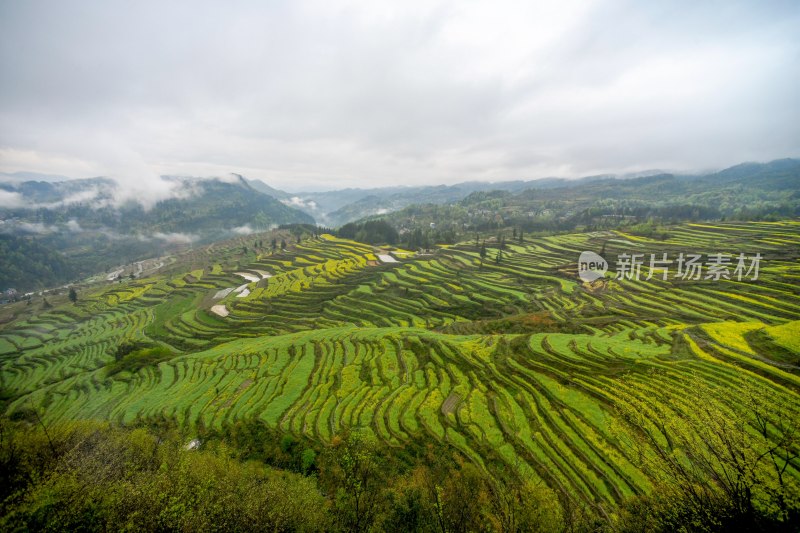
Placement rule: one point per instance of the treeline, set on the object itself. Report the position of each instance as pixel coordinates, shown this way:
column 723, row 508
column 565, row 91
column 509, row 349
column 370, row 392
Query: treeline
column 97, row 477
column 370, row 232
column 382, row 232
column 94, row 477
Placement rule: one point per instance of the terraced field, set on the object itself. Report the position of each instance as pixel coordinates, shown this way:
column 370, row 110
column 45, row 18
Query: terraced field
column 513, row 362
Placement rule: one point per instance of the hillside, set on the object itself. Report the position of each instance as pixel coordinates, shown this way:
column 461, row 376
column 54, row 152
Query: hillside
column 751, row 191
column 511, row 361
column 334, row 208
column 82, row 225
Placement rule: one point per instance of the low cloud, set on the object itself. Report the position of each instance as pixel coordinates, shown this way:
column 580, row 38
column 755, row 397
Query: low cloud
column 296, row 201
column 228, row 178
column 11, row 200
column 92, row 196
column 81, row 197
column 35, row 227
column 175, row 237
column 73, row 226
column 243, row 230
column 120, row 189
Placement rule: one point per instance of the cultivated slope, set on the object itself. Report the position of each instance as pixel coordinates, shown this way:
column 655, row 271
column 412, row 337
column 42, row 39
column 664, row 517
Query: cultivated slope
column 514, row 362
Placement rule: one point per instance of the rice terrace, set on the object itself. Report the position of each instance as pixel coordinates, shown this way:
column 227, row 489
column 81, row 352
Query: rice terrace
column 516, row 365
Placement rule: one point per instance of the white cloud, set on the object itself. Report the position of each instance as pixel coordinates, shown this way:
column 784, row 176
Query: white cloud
column 35, row 227
column 243, row 230
column 88, row 196
column 10, row 199
column 296, row 201
column 176, row 238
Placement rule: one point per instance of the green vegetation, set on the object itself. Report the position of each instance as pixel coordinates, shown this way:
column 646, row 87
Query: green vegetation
column 446, row 378
column 93, row 477
column 138, row 359
column 45, row 246
column 644, row 205
column 370, row 232
column 24, row 258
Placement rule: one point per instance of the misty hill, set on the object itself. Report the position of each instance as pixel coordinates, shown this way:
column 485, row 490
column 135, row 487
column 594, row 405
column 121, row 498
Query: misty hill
column 17, row 177
column 196, row 206
column 87, row 223
column 754, row 191
column 92, row 230
column 773, row 182
column 338, row 207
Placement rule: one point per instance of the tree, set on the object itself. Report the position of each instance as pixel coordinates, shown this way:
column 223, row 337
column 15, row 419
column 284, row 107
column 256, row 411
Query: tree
column 521, row 505
column 483, row 252
column 73, row 296
column 283, row 244
column 353, row 474
column 722, row 465
column 370, row 232
column 465, row 500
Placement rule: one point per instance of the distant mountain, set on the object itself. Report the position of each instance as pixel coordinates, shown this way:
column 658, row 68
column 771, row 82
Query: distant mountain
column 339, row 207
column 15, row 177
column 213, row 208
column 198, row 205
column 336, row 208
column 83, row 222
column 778, row 174
column 751, row 191
column 40, row 194
column 262, row 187
column 352, row 204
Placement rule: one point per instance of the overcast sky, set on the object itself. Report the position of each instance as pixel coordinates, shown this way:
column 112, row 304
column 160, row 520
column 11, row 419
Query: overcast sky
column 321, row 95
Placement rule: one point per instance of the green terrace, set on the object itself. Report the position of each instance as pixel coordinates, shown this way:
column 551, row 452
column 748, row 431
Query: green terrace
column 513, row 362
